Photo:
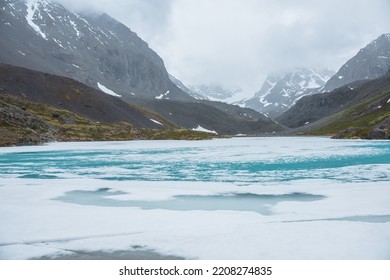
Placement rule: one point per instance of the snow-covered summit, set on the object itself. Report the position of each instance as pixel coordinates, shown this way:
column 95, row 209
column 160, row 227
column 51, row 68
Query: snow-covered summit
column 281, row 90
column 371, row 62
column 215, row 92
column 94, row 49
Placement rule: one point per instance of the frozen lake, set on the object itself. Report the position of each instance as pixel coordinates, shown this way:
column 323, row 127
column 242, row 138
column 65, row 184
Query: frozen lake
column 240, row 198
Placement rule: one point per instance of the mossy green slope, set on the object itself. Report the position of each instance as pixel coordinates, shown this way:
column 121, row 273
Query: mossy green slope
column 24, row 122
column 367, row 120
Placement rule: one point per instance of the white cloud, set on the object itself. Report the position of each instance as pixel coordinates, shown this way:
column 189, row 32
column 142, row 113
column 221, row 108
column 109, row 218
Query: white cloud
column 236, row 42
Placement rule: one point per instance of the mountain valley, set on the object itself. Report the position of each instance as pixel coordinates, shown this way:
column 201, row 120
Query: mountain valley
column 124, row 79
column 91, row 70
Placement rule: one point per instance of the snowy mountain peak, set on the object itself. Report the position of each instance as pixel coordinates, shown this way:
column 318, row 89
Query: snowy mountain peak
column 380, row 44
column 216, row 92
column 281, row 90
column 371, row 62
column 94, row 49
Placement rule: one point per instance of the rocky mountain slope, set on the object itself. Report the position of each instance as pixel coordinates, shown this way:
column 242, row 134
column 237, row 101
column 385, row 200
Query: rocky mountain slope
column 371, row 62
column 96, row 50
column 362, row 77
column 280, row 91
column 184, row 88
column 104, row 54
column 315, row 107
column 37, row 107
column 24, row 122
column 369, row 119
column 71, row 95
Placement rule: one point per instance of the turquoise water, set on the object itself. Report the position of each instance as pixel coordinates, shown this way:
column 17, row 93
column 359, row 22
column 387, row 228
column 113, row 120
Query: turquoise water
column 230, row 201
column 249, row 160
column 240, row 198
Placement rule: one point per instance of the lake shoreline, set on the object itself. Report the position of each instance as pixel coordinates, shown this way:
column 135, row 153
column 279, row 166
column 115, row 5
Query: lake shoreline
column 27, row 144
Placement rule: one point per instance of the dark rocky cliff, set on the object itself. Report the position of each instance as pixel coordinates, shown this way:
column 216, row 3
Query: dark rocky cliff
column 44, row 36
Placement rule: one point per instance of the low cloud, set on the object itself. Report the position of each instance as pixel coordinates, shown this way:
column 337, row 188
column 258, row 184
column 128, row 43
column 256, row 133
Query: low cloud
column 237, row 43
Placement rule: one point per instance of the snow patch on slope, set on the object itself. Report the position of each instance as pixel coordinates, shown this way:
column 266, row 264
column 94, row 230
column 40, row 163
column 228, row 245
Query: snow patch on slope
column 107, row 90
column 202, row 129
column 157, row 122
column 31, row 8
column 161, row 96
column 78, row 33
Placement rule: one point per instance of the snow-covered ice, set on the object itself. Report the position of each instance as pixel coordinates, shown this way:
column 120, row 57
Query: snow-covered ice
column 240, row 198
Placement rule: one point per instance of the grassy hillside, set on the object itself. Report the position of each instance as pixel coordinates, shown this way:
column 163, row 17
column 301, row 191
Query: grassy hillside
column 24, row 122
column 369, row 119
column 73, row 96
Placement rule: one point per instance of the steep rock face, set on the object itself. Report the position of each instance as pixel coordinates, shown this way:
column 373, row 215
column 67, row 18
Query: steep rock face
column 280, row 91
column 371, row 62
column 96, row 50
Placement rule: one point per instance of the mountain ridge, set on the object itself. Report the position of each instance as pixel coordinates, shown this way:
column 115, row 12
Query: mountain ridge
column 368, row 73
column 37, row 107
column 371, row 62
column 104, row 54
column 281, row 90
column 44, row 36
column 71, row 95
column 315, row 107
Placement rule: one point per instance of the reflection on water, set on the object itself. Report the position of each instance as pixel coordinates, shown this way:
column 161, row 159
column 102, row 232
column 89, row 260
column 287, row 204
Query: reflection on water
column 227, row 201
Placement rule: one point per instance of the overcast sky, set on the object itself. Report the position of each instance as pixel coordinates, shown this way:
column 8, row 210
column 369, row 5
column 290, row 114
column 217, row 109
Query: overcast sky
column 238, row 42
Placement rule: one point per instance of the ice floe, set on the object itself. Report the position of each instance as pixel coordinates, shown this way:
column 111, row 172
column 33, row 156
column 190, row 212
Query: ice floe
column 115, row 196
